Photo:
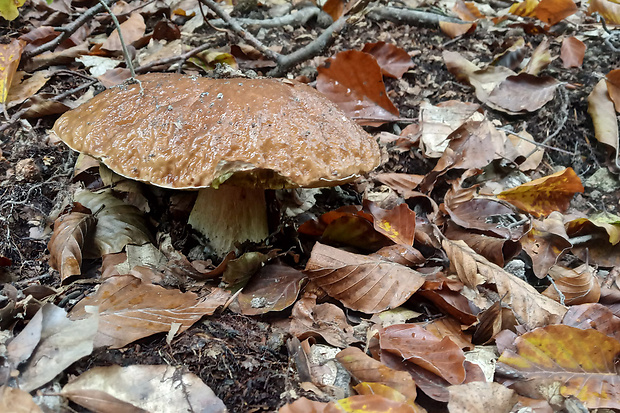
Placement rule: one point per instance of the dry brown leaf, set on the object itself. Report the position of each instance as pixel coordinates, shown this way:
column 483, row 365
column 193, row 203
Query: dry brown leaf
column 454, row 30
column 17, row 401
column 462, row 263
column 416, row 345
column 481, row 397
column 325, row 320
column 370, row 403
column 27, row 87
column 610, row 10
column 578, row 286
column 130, row 309
column 572, row 52
column 613, row 87
column 467, row 11
column 497, row 250
column 366, row 369
column 133, row 29
column 10, row 55
column 353, row 80
column 398, row 223
column 362, row 283
column 544, row 243
column 392, row 60
column 554, row 11
column 541, row 57
column 67, row 242
column 273, row 288
column 522, row 93
column 399, row 182
column 60, row 57
column 118, row 223
column 142, row 388
column 545, row 195
column 595, row 316
column 603, row 113
column 303, row 405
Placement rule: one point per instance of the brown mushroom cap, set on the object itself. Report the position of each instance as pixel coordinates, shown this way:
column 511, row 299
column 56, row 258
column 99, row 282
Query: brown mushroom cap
column 188, row 132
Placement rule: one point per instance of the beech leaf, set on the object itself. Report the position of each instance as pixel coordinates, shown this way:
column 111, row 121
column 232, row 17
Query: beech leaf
column 362, row 283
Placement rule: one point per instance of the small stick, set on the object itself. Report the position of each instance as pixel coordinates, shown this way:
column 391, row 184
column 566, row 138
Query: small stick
column 120, row 37
column 69, row 29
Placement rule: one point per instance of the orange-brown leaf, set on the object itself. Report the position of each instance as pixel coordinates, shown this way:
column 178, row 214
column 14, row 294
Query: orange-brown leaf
column 362, row 283
column 65, row 246
column 613, row 87
column 602, row 111
column 554, row 11
column 583, row 361
column 610, row 10
column 578, row 286
column 130, row 309
column 398, row 223
column 133, row 29
column 10, row 55
column 366, row 369
column 454, row 30
column 542, row 196
column 572, row 52
column 392, row 60
column 353, row 80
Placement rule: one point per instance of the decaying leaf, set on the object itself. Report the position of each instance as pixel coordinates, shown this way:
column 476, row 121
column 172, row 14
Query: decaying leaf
column 398, row 223
column 362, row 283
column 325, row 320
column 129, row 309
column 544, row 243
column 542, row 196
column 554, row 11
column 273, row 288
column 17, row 401
column 49, row 344
column 67, row 242
column 481, row 397
column 572, row 52
column 609, row 9
column 596, row 316
column 10, row 55
column 603, row 113
column 366, row 369
column 454, row 30
column 133, row 30
column 583, row 361
column 577, row 286
column 414, row 344
column 118, row 223
column 393, row 60
column 353, row 80
column 142, row 388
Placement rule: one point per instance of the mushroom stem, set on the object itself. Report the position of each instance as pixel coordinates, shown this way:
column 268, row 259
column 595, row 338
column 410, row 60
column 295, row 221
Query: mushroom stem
column 230, row 214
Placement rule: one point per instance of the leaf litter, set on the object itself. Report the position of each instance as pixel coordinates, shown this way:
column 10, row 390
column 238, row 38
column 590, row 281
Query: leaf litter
column 462, row 233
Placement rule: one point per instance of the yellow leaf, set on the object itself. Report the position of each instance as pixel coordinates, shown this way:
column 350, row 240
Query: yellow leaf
column 8, row 8
column 9, row 60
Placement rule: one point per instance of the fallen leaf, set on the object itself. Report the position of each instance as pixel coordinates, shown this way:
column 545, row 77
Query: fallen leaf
column 353, row 80
column 8, row 9
column 522, row 93
column 371, row 403
column 133, row 29
column 50, row 343
column 67, row 243
column 142, row 388
column 273, row 288
column 603, row 113
column 542, row 196
column 610, row 10
column 361, row 283
column 524, row 8
column 541, row 57
column 392, row 60
column 10, row 55
column 481, row 397
column 416, row 345
column 303, row 405
column 325, row 320
column 545, row 242
column 596, row 316
column 582, row 361
column 129, row 309
column 118, row 223
column 554, row 11
column 454, row 30
column 398, row 223
column 17, row 401
column 578, row 286
column 613, row 87
column 366, row 369
column 572, row 52
column 467, row 11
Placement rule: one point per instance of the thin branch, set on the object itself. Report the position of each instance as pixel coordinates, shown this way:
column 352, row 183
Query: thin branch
column 17, row 115
column 294, row 19
column 69, row 29
column 410, row 17
column 128, row 60
column 241, row 32
column 170, row 60
column 542, row 145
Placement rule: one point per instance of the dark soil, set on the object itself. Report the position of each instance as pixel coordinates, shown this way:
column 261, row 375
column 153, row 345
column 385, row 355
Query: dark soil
column 241, row 358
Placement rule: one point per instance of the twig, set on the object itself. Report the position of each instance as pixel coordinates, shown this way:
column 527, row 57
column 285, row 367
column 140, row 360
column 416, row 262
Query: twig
column 300, row 17
column 542, row 145
column 558, row 129
column 311, row 49
column 69, row 29
column 236, row 27
column 128, row 59
column 169, row 60
column 17, row 115
column 410, row 17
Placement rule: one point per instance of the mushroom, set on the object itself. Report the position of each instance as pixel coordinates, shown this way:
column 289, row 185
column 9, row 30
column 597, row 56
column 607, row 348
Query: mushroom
column 228, row 138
